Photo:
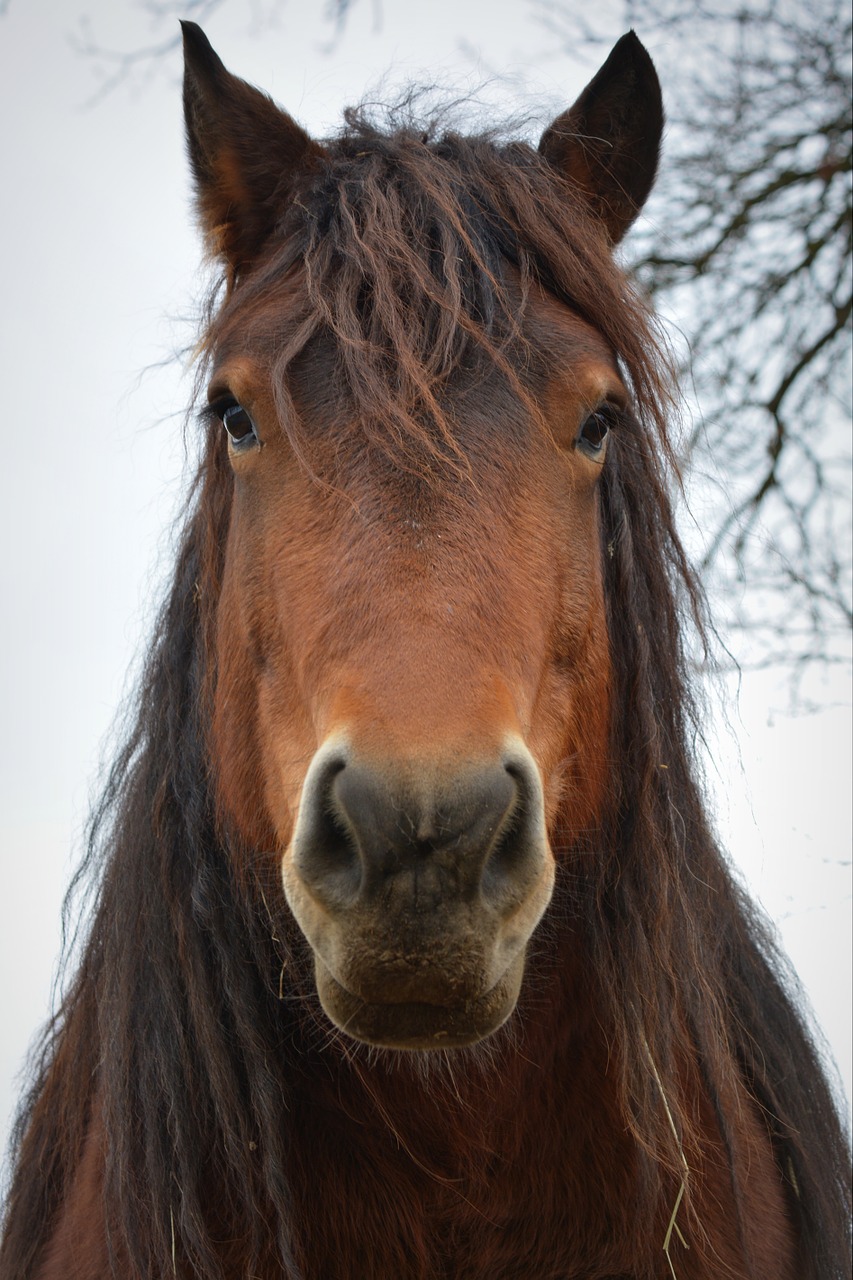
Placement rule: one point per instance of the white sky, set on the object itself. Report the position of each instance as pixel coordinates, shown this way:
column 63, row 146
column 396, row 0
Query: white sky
column 100, row 256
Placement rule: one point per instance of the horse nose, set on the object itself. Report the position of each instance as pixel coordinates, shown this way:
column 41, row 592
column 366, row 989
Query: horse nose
column 367, row 832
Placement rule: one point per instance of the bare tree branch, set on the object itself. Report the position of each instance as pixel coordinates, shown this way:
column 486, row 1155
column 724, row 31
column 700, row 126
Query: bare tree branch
column 749, row 243
column 117, row 67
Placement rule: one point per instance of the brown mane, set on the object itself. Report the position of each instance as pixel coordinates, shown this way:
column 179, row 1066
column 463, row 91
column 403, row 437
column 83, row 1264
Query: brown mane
column 191, row 1032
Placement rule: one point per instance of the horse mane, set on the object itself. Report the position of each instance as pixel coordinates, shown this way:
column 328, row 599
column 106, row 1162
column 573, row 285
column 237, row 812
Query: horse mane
column 192, row 1011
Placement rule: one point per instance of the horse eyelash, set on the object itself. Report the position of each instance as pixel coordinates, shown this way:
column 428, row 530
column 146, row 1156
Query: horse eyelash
column 215, row 410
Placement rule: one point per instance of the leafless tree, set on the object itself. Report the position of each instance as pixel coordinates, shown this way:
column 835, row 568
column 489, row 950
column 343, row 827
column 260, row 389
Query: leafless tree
column 749, row 247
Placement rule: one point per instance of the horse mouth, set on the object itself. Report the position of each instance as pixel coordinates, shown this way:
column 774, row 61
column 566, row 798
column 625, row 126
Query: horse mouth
column 419, row 1025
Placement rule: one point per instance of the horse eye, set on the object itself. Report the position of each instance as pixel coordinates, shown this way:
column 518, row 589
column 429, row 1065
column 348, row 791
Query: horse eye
column 240, row 427
column 594, row 432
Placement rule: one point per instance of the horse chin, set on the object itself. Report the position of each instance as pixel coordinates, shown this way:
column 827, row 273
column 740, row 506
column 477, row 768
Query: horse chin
column 415, row 1025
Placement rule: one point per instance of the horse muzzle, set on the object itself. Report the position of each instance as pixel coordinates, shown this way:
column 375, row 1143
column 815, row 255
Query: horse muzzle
column 418, row 887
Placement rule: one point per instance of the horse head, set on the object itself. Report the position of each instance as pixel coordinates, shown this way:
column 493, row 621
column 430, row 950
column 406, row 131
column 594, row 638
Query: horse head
column 413, row 698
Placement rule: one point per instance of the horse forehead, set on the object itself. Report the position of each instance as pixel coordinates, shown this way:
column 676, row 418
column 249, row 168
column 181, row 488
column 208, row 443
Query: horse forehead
column 567, row 351
column 565, row 340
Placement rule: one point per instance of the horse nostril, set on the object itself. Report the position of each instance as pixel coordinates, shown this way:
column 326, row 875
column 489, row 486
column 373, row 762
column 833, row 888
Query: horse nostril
column 524, row 773
column 516, row 854
column 325, row 852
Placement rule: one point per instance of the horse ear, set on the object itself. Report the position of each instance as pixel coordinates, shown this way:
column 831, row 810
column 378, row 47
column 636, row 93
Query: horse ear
column 608, row 143
column 245, row 153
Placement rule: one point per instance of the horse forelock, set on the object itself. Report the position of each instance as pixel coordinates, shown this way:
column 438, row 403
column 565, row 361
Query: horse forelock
column 414, row 256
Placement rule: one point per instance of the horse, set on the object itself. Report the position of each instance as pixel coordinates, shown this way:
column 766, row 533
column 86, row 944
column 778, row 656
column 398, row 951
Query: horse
column 412, row 953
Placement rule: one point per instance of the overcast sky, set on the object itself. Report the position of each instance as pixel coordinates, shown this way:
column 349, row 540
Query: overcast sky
column 100, row 276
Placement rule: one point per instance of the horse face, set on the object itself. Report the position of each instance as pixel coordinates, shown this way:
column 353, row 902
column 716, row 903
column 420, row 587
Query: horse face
column 412, row 698
column 413, row 684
